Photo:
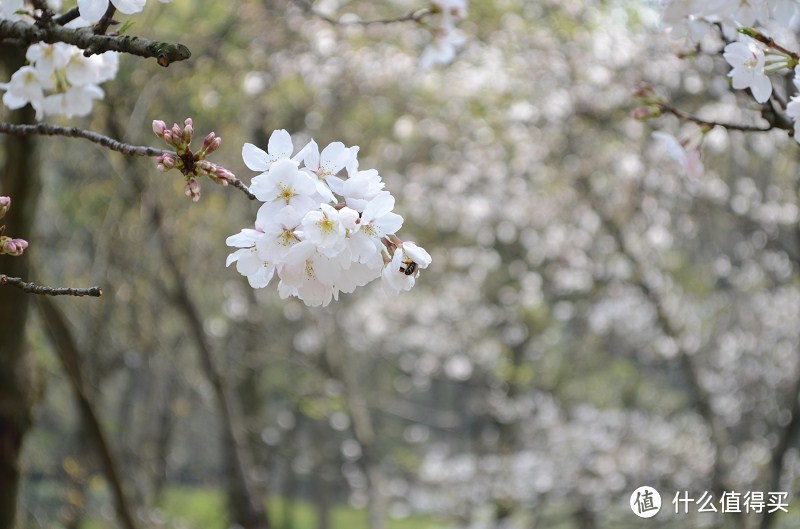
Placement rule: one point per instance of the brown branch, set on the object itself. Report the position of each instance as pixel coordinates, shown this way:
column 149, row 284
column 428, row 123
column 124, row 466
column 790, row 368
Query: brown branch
column 106, row 21
column 770, row 42
column 32, row 288
column 164, row 52
column 106, row 141
column 413, row 16
column 238, row 184
column 74, row 132
column 685, row 116
column 67, row 17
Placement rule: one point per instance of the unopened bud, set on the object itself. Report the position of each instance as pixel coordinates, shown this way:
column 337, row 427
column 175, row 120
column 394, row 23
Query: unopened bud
column 192, row 189
column 188, row 130
column 204, row 167
column 222, row 176
column 211, row 143
column 644, row 91
column 5, row 204
column 645, row 113
column 159, row 127
column 11, row 246
column 166, row 162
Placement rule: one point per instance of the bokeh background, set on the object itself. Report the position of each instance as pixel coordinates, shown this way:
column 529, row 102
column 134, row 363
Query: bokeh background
column 594, row 319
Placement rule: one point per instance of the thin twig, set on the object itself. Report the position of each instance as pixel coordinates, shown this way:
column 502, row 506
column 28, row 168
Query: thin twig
column 67, row 17
column 32, row 288
column 125, row 148
column 238, row 184
column 413, row 16
column 75, row 132
column 680, row 114
column 107, row 20
column 770, row 42
column 84, row 38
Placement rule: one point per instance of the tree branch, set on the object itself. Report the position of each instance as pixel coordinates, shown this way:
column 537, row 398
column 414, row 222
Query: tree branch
column 413, row 16
column 164, row 52
column 33, row 288
column 67, row 17
column 106, row 141
column 106, row 21
column 685, row 116
column 74, row 132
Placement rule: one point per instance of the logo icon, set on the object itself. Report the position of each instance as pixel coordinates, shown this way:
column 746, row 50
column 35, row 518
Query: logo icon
column 645, row 502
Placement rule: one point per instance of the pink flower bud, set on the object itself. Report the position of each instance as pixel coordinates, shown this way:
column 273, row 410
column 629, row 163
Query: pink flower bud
column 211, row 143
column 159, row 127
column 643, row 91
column 166, row 162
column 188, row 131
column 11, row 246
column 643, row 113
column 5, row 204
column 222, row 176
column 204, row 167
column 177, row 132
column 192, row 189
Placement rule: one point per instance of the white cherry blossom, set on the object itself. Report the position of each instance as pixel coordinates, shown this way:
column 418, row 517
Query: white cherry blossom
column 60, row 80
column 747, row 59
column 250, row 259
column 93, row 10
column 285, row 185
column 320, row 233
column 401, row 273
column 279, row 147
column 325, row 164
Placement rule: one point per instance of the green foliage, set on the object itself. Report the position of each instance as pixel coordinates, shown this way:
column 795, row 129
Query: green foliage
column 204, row 508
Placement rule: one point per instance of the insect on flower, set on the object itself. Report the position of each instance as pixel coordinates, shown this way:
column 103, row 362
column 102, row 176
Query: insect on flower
column 409, row 268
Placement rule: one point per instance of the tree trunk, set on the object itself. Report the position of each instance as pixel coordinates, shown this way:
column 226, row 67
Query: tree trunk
column 19, row 179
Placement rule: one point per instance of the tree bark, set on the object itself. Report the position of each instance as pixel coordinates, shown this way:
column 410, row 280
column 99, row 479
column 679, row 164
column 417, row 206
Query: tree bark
column 19, row 179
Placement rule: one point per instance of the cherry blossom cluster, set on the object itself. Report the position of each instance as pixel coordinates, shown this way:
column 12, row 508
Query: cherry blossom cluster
column 322, row 233
column 8, row 245
column 754, row 56
column 90, row 10
column 16, row 9
column 691, row 18
column 685, row 152
column 93, row 10
column 59, row 80
column 446, row 38
column 192, row 165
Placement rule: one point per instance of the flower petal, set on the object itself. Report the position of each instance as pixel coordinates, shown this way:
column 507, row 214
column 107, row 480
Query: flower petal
column 255, row 158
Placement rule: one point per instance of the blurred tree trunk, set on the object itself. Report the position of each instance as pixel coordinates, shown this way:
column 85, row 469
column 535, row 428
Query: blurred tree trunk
column 247, row 502
column 323, row 493
column 248, row 510
column 20, row 181
column 340, row 367
column 67, row 351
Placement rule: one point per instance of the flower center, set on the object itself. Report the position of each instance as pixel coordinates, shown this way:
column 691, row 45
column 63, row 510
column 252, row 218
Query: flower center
column 286, row 194
column 325, row 225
